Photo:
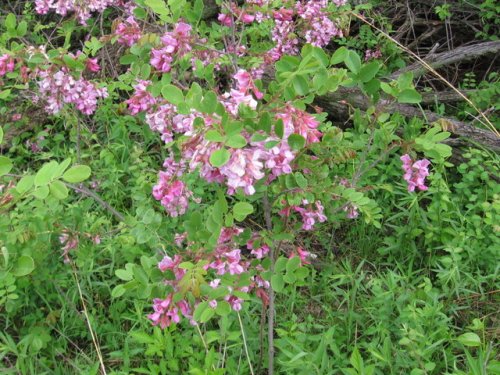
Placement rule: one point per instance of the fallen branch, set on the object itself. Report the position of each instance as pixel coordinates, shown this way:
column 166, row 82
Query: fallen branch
column 457, row 55
column 339, row 103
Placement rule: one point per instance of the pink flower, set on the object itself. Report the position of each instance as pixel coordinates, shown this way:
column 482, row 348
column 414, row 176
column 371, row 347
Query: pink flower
column 310, row 216
column 142, row 100
column 167, row 312
column 92, row 65
column 243, row 170
column 303, row 255
column 161, row 60
column 225, row 19
column 7, row 64
column 128, row 32
column 300, row 122
column 60, row 88
column 415, row 172
column 173, row 194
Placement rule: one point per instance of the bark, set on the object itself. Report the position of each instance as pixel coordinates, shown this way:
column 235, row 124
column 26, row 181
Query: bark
column 339, row 103
column 457, row 55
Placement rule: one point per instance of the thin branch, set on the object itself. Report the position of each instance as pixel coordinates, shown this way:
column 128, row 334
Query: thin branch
column 89, row 193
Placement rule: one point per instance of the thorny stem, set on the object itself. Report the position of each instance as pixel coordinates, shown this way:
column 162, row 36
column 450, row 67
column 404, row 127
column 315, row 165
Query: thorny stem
column 270, row 311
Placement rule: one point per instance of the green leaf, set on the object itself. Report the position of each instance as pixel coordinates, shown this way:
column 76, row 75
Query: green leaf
column 469, row 339
column 352, row 61
column 173, row 94
column 236, row 141
column 25, row 184
column 209, row 103
column 241, row 210
column 76, row 174
column 118, row 291
column 124, row 274
column 199, row 310
column 140, row 275
column 300, row 85
column 24, row 266
column 292, row 264
column 206, row 315
column 10, row 22
column 22, row 28
column 410, row 96
column 223, row 308
column 159, row 7
column 41, row 192
column 356, row 360
column 58, row 190
column 1, row 135
column 277, row 283
column 128, row 59
column 46, row 173
column 214, row 136
column 219, row 157
column 296, row 141
column 368, row 71
column 5, row 165
column 279, row 128
column 339, row 56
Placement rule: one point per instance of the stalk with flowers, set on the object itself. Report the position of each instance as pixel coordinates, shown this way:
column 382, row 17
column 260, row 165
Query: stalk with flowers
column 232, row 103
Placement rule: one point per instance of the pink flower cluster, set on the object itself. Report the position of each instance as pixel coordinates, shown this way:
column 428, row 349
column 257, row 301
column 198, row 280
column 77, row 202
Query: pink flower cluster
column 177, row 42
column 60, row 88
column 310, row 214
column 7, row 64
column 372, row 54
column 320, row 29
column 415, row 172
column 225, row 259
column 283, row 34
column 300, row 122
column 69, row 242
column 236, row 15
column 172, row 193
column 167, row 312
column 142, row 100
column 128, row 31
column 82, row 9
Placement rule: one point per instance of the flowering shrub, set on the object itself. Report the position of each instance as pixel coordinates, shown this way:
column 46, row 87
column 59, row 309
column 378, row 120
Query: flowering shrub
column 248, row 167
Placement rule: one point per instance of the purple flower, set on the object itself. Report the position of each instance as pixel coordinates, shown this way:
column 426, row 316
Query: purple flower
column 415, row 172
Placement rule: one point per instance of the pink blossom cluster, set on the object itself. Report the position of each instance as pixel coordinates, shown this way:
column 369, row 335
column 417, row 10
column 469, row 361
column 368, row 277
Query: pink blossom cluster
column 225, row 259
column 82, row 9
column 259, row 251
column 7, row 64
column 350, row 208
column 167, row 312
column 69, row 242
column 310, row 214
column 283, row 34
column 415, row 172
column 300, row 122
column 236, row 15
column 174, row 43
column 141, row 100
column 372, row 54
column 91, row 64
column 172, row 193
column 128, row 31
column 319, row 28
column 60, row 88
column 303, row 255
